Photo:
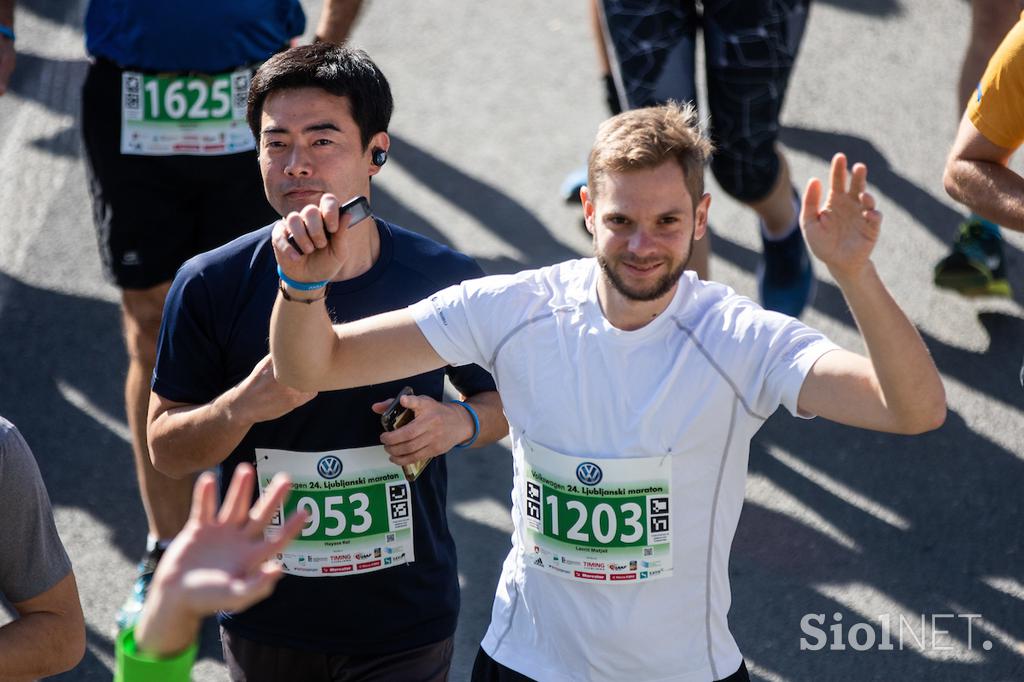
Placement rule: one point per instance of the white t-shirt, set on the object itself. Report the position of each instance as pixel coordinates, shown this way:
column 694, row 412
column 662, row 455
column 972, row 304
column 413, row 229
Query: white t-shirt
column 680, row 398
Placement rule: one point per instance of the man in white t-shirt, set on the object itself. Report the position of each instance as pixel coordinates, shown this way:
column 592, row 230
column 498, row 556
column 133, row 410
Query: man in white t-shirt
column 632, row 390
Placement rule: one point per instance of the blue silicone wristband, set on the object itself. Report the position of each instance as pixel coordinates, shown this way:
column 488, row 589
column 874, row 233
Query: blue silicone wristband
column 476, row 425
column 7, row 32
column 301, row 286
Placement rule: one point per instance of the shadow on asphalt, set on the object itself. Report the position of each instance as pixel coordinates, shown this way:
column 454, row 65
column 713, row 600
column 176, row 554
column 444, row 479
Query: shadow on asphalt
column 993, row 371
column 55, row 340
column 69, row 12
column 875, row 8
column 960, row 495
column 55, row 84
column 492, row 208
column 936, row 217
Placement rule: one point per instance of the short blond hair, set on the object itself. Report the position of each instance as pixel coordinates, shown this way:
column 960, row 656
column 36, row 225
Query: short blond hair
column 647, row 138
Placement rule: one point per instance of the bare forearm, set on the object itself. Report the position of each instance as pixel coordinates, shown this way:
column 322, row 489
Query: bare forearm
column 337, row 20
column 907, row 378
column 7, row 12
column 493, row 426
column 48, row 637
column 990, row 189
column 301, row 343
column 311, row 355
column 31, row 647
column 188, row 439
column 165, row 629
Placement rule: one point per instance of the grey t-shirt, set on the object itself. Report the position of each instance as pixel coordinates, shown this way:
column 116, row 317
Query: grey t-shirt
column 32, row 557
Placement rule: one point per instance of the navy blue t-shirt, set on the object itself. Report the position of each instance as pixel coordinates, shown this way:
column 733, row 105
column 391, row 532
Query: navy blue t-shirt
column 214, row 332
column 190, row 35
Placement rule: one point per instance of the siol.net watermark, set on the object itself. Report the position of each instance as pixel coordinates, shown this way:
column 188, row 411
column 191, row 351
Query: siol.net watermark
column 935, row 632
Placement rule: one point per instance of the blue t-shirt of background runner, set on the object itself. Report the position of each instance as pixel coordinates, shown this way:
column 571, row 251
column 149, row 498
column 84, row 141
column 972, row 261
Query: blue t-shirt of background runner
column 215, row 330
column 207, row 36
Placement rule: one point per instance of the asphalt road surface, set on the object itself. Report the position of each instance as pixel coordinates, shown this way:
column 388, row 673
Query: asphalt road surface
column 495, row 103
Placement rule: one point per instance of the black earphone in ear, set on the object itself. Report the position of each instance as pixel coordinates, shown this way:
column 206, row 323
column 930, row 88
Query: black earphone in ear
column 380, row 157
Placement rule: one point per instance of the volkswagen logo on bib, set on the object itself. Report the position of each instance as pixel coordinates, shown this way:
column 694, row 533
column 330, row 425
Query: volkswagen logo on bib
column 329, row 467
column 589, row 473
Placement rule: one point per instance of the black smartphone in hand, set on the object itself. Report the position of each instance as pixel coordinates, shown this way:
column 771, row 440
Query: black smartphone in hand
column 358, row 209
column 395, row 417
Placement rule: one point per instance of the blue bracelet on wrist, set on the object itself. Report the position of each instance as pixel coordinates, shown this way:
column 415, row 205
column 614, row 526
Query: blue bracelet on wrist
column 301, row 286
column 7, row 32
column 476, row 425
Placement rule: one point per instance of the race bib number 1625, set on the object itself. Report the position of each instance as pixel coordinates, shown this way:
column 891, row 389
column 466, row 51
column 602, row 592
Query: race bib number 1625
column 202, row 115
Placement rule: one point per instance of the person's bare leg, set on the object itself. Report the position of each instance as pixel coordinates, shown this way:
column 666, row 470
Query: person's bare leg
column 166, row 500
column 991, row 20
column 598, row 30
column 776, row 209
column 785, row 277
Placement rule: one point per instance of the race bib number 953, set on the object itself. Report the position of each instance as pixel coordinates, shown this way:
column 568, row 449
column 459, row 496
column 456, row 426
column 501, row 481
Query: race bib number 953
column 358, row 507
column 358, row 512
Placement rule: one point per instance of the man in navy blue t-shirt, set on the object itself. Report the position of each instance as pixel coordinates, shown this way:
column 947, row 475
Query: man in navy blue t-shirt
column 371, row 589
column 167, row 151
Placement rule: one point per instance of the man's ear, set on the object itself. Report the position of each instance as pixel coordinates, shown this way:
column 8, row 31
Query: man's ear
column 381, row 142
column 589, row 213
column 700, row 216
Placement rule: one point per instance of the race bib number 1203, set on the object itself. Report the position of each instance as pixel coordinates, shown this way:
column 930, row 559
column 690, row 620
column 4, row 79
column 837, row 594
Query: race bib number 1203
column 597, row 520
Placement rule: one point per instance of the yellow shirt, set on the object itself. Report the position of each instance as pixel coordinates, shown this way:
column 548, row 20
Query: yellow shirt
column 997, row 107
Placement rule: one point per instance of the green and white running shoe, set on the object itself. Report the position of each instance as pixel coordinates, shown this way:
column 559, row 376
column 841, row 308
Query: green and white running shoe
column 976, row 266
column 129, row 612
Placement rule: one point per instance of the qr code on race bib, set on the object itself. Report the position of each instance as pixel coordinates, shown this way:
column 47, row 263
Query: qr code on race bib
column 659, row 514
column 399, row 510
column 132, row 89
column 240, row 90
column 533, row 500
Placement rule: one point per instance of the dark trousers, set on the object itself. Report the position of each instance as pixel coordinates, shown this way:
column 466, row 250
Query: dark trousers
column 250, row 661
column 486, row 669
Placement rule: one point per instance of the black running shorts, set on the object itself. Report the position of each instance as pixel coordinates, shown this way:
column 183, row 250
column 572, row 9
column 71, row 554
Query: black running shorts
column 250, row 661
column 152, row 213
column 750, row 47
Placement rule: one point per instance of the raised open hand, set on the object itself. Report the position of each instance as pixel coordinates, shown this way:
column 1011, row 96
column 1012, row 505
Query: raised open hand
column 219, row 561
column 842, row 234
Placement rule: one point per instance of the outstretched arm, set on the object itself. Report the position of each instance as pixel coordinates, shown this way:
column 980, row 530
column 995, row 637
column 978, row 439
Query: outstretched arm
column 311, row 355
column 896, row 388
